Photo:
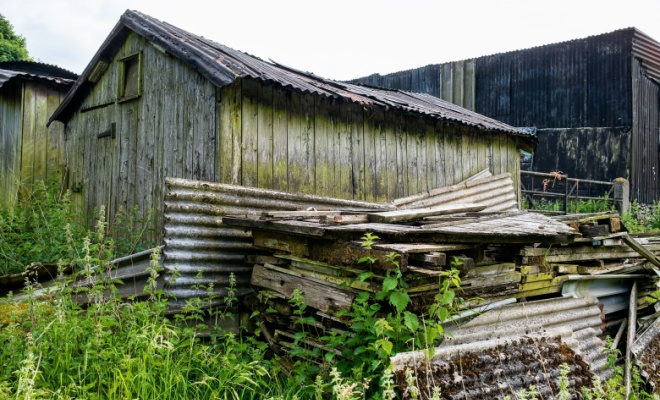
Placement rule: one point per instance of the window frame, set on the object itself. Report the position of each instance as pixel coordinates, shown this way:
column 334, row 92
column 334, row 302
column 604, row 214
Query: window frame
column 121, row 77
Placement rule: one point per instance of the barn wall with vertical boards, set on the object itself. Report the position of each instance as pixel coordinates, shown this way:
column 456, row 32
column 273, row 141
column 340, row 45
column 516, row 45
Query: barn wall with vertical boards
column 30, row 150
column 169, row 130
column 274, row 138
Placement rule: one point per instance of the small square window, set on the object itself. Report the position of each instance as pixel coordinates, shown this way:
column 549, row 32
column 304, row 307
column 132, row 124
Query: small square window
column 130, row 79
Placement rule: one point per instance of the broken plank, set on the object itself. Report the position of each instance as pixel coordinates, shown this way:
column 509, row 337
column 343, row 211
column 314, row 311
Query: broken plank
column 642, row 250
column 318, row 294
column 411, row 215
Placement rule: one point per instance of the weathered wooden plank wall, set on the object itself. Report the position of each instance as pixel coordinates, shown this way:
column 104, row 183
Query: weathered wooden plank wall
column 30, row 150
column 168, row 131
column 334, row 148
column 10, row 141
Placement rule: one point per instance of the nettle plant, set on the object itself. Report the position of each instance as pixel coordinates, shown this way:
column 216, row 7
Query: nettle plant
column 381, row 324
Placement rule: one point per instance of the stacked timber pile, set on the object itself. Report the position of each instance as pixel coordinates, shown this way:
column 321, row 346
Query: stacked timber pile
column 514, row 261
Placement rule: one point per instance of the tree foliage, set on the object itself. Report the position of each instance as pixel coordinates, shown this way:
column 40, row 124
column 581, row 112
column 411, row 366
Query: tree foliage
column 12, row 46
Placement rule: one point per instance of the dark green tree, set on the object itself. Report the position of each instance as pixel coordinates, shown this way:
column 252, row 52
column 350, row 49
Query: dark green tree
column 12, row 46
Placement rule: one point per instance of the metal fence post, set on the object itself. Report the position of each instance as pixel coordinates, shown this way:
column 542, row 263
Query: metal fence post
column 622, row 195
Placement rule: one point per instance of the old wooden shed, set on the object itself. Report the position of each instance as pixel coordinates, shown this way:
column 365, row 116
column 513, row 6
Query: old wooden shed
column 595, row 102
column 29, row 94
column 157, row 101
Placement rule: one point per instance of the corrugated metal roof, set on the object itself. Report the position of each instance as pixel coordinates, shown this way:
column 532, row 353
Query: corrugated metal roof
column 222, row 65
column 510, row 348
column 36, row 71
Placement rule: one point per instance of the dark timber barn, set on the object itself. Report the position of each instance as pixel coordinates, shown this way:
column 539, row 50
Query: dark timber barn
column 29, row 93
column 595, row 102
column 157, row 101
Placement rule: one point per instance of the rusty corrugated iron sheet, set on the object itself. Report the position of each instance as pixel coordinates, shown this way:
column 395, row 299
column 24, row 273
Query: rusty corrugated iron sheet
column 29, row 70
column 222, row 65
column 646, row 350
column 201, row 253
column 495, row 192
column 512, row 347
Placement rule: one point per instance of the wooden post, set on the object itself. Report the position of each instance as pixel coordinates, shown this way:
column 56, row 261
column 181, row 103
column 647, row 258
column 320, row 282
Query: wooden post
column 632, row 325
column 622, row 195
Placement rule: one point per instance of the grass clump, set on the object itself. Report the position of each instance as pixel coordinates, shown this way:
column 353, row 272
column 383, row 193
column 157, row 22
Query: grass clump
column 44, row 227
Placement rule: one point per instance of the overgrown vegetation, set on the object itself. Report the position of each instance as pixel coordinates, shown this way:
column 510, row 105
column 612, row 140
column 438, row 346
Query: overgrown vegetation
column 53, row 348
column 44, row 227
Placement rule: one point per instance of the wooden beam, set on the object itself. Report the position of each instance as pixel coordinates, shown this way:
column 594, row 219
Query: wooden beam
column 411, row 215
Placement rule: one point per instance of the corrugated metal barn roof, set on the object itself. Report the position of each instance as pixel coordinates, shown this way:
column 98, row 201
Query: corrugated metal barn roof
column 222, row 65
column 36, row 71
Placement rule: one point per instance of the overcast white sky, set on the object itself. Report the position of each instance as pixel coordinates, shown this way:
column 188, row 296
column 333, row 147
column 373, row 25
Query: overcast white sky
column 338, row 39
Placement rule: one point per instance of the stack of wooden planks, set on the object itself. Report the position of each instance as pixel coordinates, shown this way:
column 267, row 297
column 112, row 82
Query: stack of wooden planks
column 501, row 256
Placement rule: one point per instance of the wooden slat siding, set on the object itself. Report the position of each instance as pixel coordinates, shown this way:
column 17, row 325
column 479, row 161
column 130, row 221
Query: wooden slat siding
column 339, row 167
column 324, row 146
column 301, row 144
column 482, row 142
column 499, row 145
column 344, row 153
column 423, row 163
column 401, row 159
column 10, row 141
column 28, row 133
column 147, row 184
column 452, row 154
column 429, row 149
column 389, row 131
column 196, row 137
column 412, row 157
column 265, row 137
column 40, row 131
column 280, row 138
column 370, row 174
column 207, row 130
column 228, row 161
column 375, row 122
column 55, row 137
column 438, row 147
column 357, row 152
column 249, row 144
column 468, row 153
